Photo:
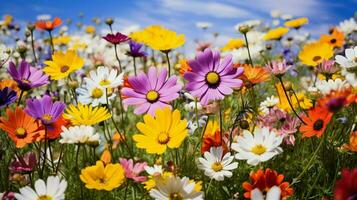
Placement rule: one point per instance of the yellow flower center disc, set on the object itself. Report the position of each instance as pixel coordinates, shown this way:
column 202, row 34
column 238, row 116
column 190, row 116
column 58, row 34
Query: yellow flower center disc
column 212, row 78
column 152, row 96
column 175, row 196
column 20, row 132
column 104, row 82
column 258, row 149
column 44, row 197
column 163, row 138
column 47, row 117
column 217, row 166
column 97, row 93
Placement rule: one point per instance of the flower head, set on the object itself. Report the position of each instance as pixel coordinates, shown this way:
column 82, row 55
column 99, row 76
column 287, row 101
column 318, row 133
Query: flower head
column 93, row 93
column 346, row 187
column 44, row 109
column 278, row 68
column 54, row 129
column 258, row 147
column 54, row 189
column 105, row 78
column 327, row 68
column 216, row 165
column 348, row 64
column 48, row 25
column 264, row 181
column 24, row 164
column 316, row 122
column 296, row 23
column 166, row 130
column 86, row 114
column 276, row 34
column 135, row 49
column 116, row 38
column 79, row 135
column 62, row 64
column 100, row 177
column 335, row 39
column 254, row 75
column 26, row 76
column 21, row 128
column 132, row 171
column 7, row 96
column 212, row 137
column 314, row 53
column 210, row 78
column 151, row 91
column 233, row 44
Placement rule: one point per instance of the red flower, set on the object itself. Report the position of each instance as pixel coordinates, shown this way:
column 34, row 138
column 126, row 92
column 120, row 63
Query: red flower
column 346, row 187
column 316, row 122
column 266, row 180
column 55, row 129
column 338, row 99
column 117, row 38
column 48, row 25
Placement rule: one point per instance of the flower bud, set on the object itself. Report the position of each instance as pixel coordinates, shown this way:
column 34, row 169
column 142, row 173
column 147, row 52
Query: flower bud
column 109, row 21
column 244, row 29
column 73, row 84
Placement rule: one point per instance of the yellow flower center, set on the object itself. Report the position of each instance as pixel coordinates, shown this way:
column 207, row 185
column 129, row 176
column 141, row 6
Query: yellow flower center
column 20, row 132
column 104, row 82
column 44, row 197
column 152, row 96
column 212, row 78
column 176, row 196
column 316, row 58
column 163, row 138
column 64, row 69
column 217, row 166
column 97, row 93
column 258, row 149
column 47, row 117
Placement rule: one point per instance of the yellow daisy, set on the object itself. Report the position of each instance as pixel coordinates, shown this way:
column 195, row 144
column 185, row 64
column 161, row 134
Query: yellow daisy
column 62, row 64
column 61, row 40
column 233, row 44
column 90, row 29
column 314, row 53
column 276, row 34
column 159, row 38
column 305, row 103
column 166, row 130
column 296, row 23
column 102, row 177
column 86, row 114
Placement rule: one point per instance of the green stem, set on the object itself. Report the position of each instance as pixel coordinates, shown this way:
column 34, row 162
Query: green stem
column 33, row 47
column 134, row 61
column 117, row 57
column 247, row 44
column 45, row 153
column 51, row 41
column 20, row 97
column 168, row 62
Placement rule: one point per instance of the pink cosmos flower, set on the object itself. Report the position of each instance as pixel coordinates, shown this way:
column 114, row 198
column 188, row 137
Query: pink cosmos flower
column 148, row 92
column 278, row 68
column 132, row 171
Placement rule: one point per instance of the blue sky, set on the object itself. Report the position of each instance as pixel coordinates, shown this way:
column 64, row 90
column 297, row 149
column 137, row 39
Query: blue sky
column 182, row 15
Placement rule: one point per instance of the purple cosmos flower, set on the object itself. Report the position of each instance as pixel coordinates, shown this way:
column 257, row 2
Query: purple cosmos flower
column 26, row 76
column 135, row 49
column 116, row 39
column 23, row 164
column 132, row 171
column 278, row 68
column 44, row 109
column 151, row 91
column 7, row 96
column 210, row 78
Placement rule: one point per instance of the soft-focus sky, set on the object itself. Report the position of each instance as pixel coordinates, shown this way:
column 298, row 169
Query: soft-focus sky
column 182, row 15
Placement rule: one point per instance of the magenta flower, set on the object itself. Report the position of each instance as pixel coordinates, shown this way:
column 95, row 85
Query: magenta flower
column 132, row 171
column 116, row 38
column 24, row 164
column 26, row 76
column 278, row 68
column 150, row 92
column 44, row 109
column 210, row 78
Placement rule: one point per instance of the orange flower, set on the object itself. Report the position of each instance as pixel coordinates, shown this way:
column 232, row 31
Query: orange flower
column 352, row 146
column 184, row 67
column 48, row 25
column 338, row 99
column 117, row 138
column 254, row 75
column 106, row 157
column 11, row 84
column 212, row 138
column 55, row 129
column 335, row 39
column 21, row 128
column 316, row 122
column 266, row 180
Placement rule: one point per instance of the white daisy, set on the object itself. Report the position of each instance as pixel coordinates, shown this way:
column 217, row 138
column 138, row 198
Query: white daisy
column 268, row 103
column 94, row 94
column 175, row 188
column 79, row 135
column 348, row 26
column 52, row 190
column 325, row 87
column 241, row 54
column 249, row 23
column 349, row 65
column 215, row 166
column 105, row 77
column 272, row 194
column 155, row 170
column 258, row 147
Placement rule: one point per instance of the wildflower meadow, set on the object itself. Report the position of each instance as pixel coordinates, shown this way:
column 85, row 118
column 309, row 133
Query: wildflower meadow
column 89, row 111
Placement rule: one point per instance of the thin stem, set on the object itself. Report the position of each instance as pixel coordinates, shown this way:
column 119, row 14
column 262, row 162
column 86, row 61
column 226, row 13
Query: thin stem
column 247, row 44
column 33, row 47
column 220, row 120
column 59, row 159
column 51, row 41
column 287, row 97
column 117, row 57
column 44, row 153
column 134, row 62
column 19, row 101
column 51, row 156
column 208, row 186
column 77, row 154
column 168, row 62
